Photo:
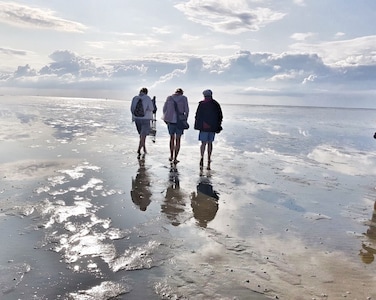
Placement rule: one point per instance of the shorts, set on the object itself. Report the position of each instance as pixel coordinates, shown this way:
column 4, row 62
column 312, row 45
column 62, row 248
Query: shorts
column 143, row 126
column 173, row 129
column 205, row 136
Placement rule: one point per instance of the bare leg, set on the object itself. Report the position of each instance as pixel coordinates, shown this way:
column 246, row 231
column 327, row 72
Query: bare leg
column 141, row 145
column 172, row 147
column 210, row 150
column 202, row 152
column 177, row 148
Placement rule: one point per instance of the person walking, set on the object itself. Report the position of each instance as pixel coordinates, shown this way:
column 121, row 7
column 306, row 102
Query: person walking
column 142, row 114
column 170, row 118
column 208, row 121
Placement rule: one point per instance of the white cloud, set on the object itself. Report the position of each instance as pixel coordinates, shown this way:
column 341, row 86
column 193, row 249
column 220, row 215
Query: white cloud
column 15, row 14
column 162, row 30
column 291, row 75
column 232, row 17
column 358, row 51
column 310, row 78
column 340, row 34
column 300, row 2
column 302, row 36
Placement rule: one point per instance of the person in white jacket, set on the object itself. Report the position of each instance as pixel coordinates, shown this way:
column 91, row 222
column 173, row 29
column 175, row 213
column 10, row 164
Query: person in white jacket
column 142, row 122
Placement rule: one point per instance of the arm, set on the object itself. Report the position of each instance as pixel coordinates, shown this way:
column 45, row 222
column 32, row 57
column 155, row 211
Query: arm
column 132, row 105
column 186, row 107
column 198, row 118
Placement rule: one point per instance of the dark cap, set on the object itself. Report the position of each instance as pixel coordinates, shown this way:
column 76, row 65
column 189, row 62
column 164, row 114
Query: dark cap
column 207, row 93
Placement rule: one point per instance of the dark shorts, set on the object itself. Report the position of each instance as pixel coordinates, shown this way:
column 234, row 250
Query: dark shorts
column 206, row 136
column 143, row 126
column 173, row 129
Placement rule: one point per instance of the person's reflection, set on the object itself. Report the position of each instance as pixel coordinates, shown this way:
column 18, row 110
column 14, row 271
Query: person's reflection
column 140, row 192
column 369, row 249
column 204, row 202
column 173, row 206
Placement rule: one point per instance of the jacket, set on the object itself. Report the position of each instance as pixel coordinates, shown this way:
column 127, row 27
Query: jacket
column 208, row 116
column 146, row 103
column 169, row 112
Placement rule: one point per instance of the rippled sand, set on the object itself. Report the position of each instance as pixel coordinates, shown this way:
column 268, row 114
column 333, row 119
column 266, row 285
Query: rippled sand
column 286, row 212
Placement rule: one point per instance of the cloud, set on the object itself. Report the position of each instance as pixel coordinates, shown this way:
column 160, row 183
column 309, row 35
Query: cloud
column 300, row 2
column 9, row 51
column 15, row 14
column 232, row 17
column 302, row 36
column 269, row 74
column 340, row 34
column 23, row 71
column 161, row 30
column 357, row 51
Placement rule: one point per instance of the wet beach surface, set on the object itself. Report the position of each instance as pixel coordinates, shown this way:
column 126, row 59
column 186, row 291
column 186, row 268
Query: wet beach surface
column 286, row 212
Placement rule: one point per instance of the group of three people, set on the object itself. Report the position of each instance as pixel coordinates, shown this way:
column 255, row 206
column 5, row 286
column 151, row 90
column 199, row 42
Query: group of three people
column 208, row 120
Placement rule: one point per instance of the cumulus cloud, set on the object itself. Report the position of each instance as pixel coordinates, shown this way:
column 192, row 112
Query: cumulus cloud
column 23, row 71
column 268, row 73
column 232, row 17
column 15, row 14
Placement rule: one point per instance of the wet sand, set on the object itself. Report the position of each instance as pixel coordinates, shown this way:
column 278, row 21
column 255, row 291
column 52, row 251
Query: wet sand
column 286, row 212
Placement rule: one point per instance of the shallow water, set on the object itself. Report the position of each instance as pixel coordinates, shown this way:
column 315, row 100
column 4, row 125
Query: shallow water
column 287, row 210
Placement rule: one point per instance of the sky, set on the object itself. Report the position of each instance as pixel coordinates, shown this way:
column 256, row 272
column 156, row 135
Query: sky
column 301, row 52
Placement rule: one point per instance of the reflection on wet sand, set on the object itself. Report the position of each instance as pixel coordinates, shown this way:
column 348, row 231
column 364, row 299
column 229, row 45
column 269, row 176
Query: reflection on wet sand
column 368, row 250
column 174, row 205
column 205, row 202
column 140, row 192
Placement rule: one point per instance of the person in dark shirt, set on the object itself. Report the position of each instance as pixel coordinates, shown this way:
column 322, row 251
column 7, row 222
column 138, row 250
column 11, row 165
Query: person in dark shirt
column 208, row 121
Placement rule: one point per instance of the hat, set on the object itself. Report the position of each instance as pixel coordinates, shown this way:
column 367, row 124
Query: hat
column 207, row 93
column 179, row 91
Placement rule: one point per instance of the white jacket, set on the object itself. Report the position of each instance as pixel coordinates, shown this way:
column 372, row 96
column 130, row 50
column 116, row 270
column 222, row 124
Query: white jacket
column 146, row 103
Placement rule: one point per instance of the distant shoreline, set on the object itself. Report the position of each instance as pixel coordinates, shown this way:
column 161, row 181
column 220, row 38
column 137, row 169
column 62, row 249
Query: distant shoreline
column 223, row 103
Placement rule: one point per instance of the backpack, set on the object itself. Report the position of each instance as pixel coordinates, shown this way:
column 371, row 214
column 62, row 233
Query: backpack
column 139, row 109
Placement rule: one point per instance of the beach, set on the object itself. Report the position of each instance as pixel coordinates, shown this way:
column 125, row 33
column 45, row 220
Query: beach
column 286, row 211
